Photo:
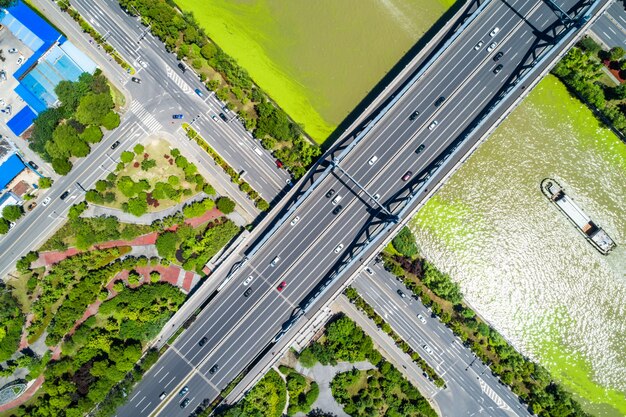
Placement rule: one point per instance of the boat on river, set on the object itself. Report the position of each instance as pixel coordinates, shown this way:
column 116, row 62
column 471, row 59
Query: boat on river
column 592, row 232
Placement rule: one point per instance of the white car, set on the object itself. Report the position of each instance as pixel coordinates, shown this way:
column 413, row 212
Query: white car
column 494, row 32
column 433, row 125
column 478, row 45
column 46, row 201
column 275, row 261
column 428, row 349
column 248, row 280
column 12, row 50
column 369, row 270
column 20, row 60
column 376, row 197
column 295, row 220
column 421, row 318
column 339, row 248
column 11, row 225
column 373, row 160
column 491, row 46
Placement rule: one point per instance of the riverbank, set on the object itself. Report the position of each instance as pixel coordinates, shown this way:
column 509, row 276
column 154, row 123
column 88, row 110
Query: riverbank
column 520, row 263
column 317, row 60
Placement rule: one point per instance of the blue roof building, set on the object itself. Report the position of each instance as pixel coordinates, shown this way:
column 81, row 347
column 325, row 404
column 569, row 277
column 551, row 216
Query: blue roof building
column 54, row 60
column 10, row 169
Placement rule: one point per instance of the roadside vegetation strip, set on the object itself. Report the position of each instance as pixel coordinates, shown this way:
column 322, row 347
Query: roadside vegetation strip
column 527, row 379
column 86, row 27
column 181, row 34
column 259, row 202
column 581, row 70
column 362, row 305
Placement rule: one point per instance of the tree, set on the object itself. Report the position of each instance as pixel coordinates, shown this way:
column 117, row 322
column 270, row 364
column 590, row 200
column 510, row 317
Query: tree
column 4, row 226
column 225, row 205
column 139, row 148
column 208, row 50
column 44, row 182
column 111, row 120
column 61, row 166
column 146, row 164
column 92, row 134
column 137, row 206
column 616, row 53
column 5, row 4
column 127, row 157
column 404, row 242
column 155, row 277
column 93, row 108
column 12, row 212
column 166, row 244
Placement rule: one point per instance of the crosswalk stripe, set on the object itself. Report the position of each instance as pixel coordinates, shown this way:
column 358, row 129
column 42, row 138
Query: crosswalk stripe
column 177, row 80
column 151, row 123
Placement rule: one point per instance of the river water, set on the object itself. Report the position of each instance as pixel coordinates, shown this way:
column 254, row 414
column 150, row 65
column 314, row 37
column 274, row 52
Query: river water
column 519, row 261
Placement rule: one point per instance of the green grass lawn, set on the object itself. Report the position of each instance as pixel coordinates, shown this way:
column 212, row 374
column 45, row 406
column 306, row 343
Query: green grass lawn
column 156, row 149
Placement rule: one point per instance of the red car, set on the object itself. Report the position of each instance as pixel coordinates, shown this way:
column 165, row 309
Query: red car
column 281, row 286
column 279, row 164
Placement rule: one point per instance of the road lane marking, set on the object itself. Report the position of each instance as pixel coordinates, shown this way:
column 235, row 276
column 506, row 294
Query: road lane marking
column 163, row 377
column 133, row 397
column 147, row 405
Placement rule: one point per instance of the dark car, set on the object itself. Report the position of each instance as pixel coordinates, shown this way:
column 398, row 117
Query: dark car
column 183, row 391
column 401, row 294
column 64, row 195
column 214, row 369
column 136, row 80
column 185, row 403
column 281, row 286
column 223, row 117
column 177, row 116
column 497, row 56
column 33, row 165
column 337, row 210
column 439, row 101
column 247, row 292
column 203, row 341
column 182, row 67
column 406, row 176
column 115, row 144
column 420, row 148
column 497, row 69
column 330, row 193
column 414, row 115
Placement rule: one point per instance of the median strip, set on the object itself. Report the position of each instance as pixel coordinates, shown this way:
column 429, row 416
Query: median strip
column 362, row 305
column 253, row 195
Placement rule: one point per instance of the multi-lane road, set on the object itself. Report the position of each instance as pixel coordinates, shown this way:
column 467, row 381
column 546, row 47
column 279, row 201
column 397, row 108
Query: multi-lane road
column 308, row 246
column 162, row 92
column 611, row 26
column 471, row 387
column 166, row 90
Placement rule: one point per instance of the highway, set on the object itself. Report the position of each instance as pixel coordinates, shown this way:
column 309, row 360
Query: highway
column 237, row 328
column 471, row 387
column 611, row 26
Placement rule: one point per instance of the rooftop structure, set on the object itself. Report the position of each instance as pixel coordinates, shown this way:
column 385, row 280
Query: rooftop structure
column 53, row 59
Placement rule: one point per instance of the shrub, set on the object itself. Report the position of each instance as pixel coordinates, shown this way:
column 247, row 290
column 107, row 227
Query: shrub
column 225, row 205
column 404, row 242
column 45, row 182
column 127, row 157
column 155, row 277
column 146, row 164
column 208, row 189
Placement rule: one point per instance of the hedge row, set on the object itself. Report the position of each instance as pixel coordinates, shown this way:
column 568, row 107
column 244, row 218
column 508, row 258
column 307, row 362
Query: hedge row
column 362, row 305
column 260, row 203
